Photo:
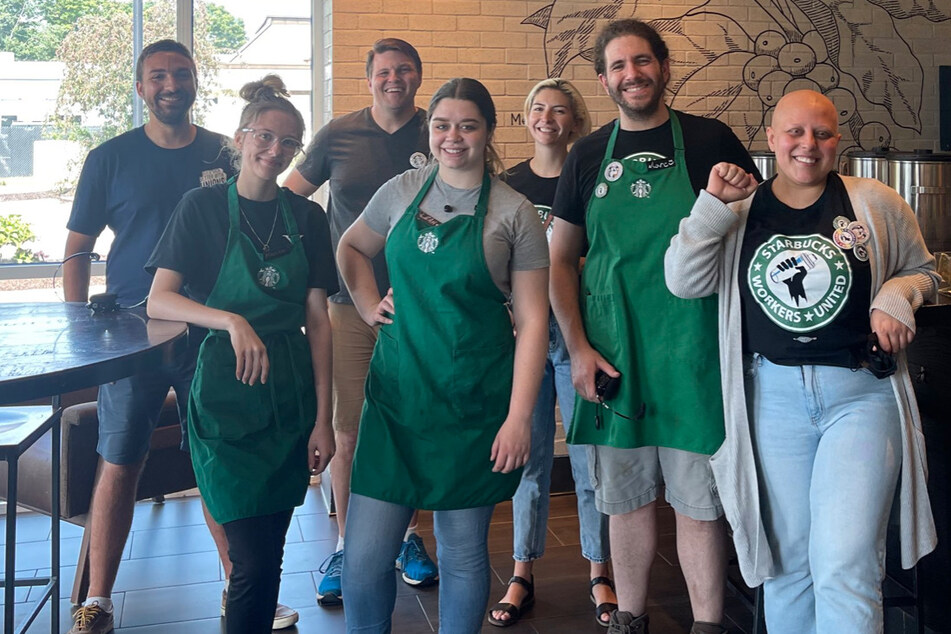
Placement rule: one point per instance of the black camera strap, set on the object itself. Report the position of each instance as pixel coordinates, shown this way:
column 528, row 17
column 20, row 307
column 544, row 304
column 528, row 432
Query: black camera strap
column 641, row 411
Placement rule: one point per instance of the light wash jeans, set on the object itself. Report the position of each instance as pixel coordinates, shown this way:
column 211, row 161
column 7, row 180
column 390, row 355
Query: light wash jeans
column 828, row 452
column 375, row 532
column 530, row 503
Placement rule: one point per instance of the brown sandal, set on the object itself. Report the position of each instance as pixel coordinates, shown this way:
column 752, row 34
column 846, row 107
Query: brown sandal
column 600, row 609
column 514, row 611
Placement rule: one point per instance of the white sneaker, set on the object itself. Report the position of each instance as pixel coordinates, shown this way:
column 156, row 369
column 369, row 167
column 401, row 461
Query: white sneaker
column 284, row 616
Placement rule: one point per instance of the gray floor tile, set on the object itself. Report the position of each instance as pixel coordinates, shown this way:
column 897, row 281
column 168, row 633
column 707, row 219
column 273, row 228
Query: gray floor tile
column 172, row 604
column 178, row 540
column 171, row 570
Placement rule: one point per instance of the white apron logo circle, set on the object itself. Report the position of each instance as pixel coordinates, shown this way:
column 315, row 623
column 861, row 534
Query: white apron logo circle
column 268, row 277
column 417, row 159
column 427, row 242
column 641, row 188
column 601, row 190
column 800, row 282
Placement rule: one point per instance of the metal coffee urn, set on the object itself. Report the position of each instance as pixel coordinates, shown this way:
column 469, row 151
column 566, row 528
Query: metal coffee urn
column 765, row 162
column 866, row 164
column 924, row 180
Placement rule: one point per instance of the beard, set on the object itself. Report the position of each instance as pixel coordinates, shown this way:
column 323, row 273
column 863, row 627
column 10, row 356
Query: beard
column 170, row 115
column 641, row 112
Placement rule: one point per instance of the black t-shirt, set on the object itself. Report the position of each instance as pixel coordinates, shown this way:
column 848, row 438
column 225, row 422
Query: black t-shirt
column 804, row 279
column 706, row 141
column 196, row 237
column 539, row 190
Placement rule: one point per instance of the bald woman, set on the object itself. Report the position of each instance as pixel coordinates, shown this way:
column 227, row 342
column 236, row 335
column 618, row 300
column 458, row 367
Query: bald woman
column 818, row 277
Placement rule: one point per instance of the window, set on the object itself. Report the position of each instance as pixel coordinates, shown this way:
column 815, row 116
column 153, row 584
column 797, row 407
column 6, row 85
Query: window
column 66, row 85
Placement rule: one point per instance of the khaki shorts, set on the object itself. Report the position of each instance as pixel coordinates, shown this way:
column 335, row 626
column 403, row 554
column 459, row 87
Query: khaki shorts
column 352, row 348
column 627, row 479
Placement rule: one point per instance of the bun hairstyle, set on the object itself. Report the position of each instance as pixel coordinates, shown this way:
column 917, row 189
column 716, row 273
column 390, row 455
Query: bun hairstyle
column 267, row 93
column 472, row 90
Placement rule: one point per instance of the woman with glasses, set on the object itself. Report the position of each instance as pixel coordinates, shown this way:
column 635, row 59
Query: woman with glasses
column 252, row 263
column 449, row 395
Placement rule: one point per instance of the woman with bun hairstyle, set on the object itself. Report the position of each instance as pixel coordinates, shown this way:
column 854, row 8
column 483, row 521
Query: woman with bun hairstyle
column 449, row 396
column 252, row 263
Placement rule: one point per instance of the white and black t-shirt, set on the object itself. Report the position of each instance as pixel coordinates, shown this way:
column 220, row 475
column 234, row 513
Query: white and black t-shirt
column 805, row 279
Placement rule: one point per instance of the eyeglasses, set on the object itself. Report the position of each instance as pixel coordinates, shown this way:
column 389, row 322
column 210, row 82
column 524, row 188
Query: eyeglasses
column 265, row 139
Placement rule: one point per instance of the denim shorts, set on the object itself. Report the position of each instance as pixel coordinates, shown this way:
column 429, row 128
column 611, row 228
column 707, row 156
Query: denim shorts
column 129, row 410
column 627, row 479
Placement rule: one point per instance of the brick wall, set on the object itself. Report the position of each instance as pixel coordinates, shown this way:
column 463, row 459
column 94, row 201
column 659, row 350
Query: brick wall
column 730, row 58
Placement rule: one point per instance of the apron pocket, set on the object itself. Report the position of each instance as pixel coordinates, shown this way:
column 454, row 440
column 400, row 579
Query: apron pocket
column 482, row 382
column 382, row 383
column 600, row 324
column 222, row 406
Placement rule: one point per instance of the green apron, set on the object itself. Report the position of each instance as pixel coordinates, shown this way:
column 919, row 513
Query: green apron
column 248, row 443
column 664, row 347
column 440, row 378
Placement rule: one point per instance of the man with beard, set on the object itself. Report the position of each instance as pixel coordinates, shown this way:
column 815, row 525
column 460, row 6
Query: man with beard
column 131, row 184
column 623, row 191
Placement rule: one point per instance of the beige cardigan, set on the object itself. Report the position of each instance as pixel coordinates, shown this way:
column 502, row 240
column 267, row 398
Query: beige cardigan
column 703, row 259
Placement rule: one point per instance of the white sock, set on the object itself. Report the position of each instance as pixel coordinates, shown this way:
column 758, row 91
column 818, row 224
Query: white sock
column 410, row 531
column 339, row 544
column 104, row 602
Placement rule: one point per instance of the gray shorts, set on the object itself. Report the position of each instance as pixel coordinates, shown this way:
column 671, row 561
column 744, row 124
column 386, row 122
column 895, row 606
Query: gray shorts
column 129, row 409
column 627, row 479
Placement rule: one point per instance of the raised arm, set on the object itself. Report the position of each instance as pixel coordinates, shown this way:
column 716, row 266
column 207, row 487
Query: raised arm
column 692, row 261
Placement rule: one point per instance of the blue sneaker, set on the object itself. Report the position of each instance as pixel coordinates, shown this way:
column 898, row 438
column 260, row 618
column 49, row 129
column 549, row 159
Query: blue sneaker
column 329, row 591
column 418, row 569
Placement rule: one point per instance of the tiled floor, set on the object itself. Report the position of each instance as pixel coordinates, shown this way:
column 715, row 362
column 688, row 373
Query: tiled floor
column 170, row 579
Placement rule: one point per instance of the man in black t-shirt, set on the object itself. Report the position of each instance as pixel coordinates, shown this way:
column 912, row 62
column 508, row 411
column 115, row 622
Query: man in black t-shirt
column 623, row 190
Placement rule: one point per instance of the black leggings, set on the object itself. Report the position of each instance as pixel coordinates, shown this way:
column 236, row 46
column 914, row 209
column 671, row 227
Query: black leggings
column 256, row 548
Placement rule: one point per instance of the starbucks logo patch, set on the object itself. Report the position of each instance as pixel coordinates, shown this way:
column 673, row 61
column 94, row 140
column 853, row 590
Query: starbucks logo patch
column 800, row 282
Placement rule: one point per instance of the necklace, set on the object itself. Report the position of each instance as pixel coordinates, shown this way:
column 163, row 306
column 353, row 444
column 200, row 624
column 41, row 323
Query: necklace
column 265, row 245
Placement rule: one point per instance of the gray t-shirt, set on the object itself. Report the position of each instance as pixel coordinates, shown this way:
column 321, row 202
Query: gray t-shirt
column 357, row 156
column 513, row 239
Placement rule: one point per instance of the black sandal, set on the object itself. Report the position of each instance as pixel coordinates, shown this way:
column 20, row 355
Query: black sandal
column 600, row 609
column 513, row 611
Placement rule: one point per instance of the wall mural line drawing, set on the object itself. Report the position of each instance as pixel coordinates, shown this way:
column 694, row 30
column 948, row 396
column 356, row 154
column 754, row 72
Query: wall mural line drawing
column 846, row 49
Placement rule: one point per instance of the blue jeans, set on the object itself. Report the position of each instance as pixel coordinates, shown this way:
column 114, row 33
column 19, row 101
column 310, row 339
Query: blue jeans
column 375, row 532
column 530, row 503
column 828, row 451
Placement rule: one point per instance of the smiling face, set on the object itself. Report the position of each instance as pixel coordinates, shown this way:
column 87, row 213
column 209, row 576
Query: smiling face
column 265, row 162
column 805, row 136
column 458, row 134
column 394, row 81
column 167, row 86
column 634, row 78
column 551, row 120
